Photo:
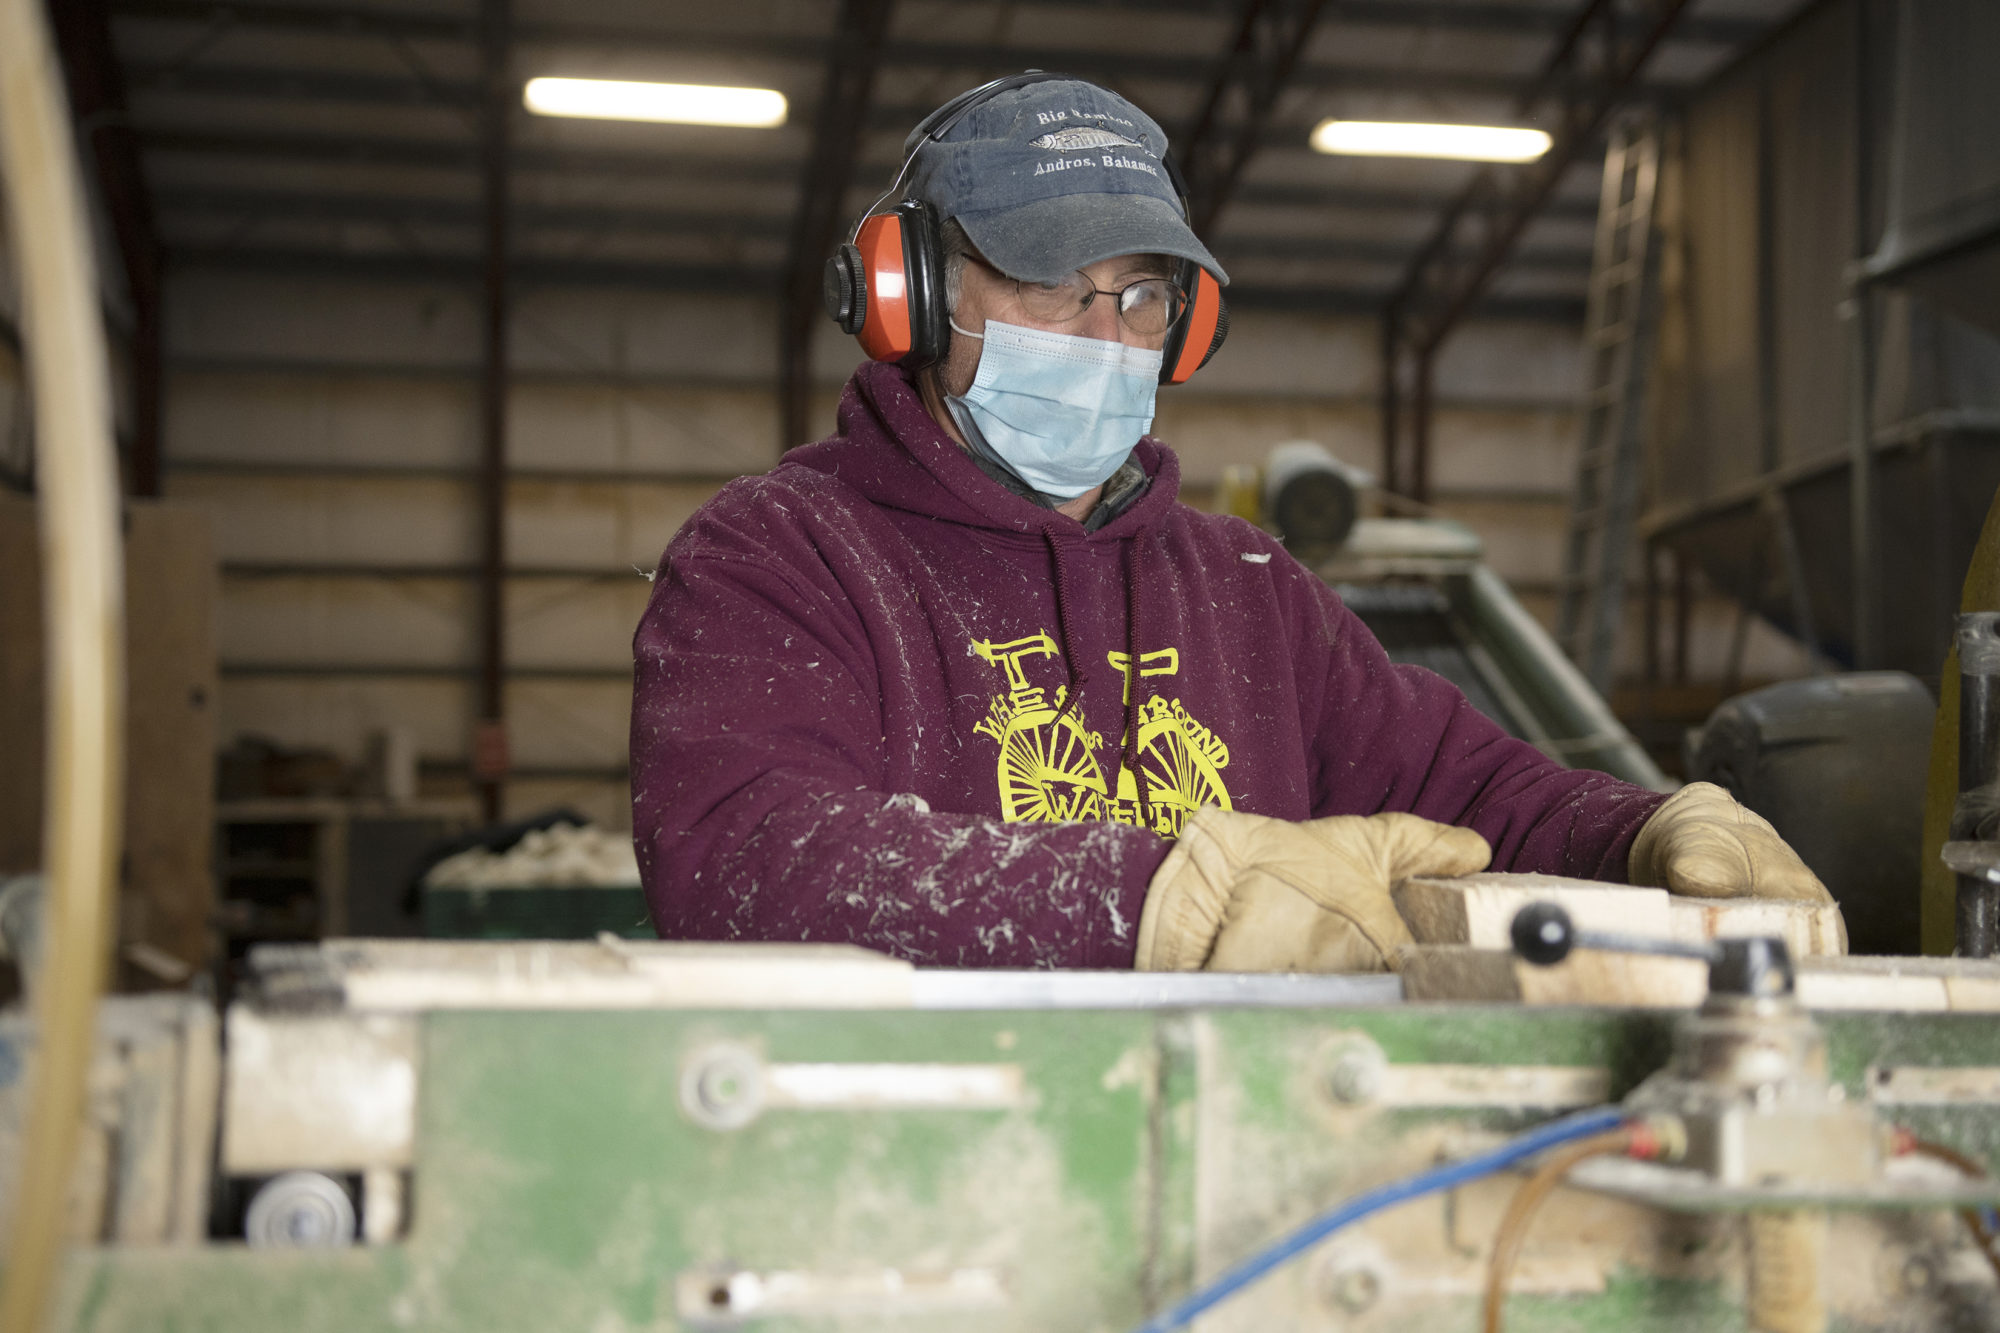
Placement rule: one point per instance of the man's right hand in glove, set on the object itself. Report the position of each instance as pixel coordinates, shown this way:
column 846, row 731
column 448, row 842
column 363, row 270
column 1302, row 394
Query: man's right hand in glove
column 1242, row 893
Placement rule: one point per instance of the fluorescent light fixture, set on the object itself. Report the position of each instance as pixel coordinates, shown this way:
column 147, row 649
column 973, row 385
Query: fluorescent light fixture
column 1465, row 143
column 675, row 103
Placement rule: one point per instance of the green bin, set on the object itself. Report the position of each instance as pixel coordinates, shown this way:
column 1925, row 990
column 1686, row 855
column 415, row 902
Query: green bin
column 552, row 912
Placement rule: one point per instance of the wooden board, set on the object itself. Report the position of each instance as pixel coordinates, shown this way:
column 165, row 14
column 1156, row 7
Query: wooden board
column 1478, row 910
column 167, row 895
column 170, row 572
column 1456, row 972
column 1450, row 972
column 1809, row 930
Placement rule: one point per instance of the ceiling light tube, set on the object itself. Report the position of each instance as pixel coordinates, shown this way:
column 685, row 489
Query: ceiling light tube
column 1463, row 143
column 670, row 103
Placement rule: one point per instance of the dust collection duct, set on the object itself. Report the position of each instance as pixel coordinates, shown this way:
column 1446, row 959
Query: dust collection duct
column 1799, row 409
column 1943, row 237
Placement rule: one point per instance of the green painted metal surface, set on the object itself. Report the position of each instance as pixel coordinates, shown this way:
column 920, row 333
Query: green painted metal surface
column 560, row 1185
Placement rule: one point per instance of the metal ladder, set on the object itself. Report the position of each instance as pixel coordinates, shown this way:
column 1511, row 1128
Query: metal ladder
column 1619, row 330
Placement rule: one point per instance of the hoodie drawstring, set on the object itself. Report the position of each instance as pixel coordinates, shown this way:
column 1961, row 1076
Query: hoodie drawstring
column 1070, row 659
column 1135, row 683
column 1134, row 678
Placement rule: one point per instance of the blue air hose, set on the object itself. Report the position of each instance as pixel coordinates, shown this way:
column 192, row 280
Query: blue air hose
column 1449, row 1176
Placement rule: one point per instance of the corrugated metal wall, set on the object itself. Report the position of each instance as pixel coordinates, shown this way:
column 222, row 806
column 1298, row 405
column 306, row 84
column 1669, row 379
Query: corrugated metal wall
column 1767, row 173
column 1944, row 204
column 330, row 427
column 1757, row 371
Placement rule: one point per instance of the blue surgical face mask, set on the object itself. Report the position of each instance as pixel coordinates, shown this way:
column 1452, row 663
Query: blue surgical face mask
column 1062, row 411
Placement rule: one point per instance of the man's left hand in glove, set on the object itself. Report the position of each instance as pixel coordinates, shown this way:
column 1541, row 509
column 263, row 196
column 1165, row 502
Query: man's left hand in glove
column 1703, row 844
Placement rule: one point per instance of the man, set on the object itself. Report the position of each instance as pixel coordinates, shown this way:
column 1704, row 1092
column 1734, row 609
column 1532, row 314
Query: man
column 967, row 684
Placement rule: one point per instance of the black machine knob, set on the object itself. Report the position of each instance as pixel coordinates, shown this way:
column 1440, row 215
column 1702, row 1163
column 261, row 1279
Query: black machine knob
column 1543, row 934
column 1757, row 966
column 843, row 290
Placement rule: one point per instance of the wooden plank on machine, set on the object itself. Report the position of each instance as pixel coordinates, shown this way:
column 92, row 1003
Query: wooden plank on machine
column 1455, row 972
column 1477, row 910
column 1809, row 930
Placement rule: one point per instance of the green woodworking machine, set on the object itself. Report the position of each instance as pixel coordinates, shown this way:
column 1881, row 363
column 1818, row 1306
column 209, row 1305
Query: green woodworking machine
column 649, row 1136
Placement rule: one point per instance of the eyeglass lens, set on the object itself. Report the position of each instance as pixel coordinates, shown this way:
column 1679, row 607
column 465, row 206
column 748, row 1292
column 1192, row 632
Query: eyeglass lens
column 1148, row 306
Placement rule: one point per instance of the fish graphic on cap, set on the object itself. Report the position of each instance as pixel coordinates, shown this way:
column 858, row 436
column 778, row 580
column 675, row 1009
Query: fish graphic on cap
column 1079, row 137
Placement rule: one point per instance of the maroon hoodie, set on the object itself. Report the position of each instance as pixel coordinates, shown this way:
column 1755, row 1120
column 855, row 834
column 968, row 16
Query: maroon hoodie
column 856, row 714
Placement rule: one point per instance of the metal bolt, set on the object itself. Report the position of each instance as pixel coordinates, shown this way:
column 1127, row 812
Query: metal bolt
column 1355, row 1076
column 719, row 1088
column 300, row 1210
column 1354, row 1287
column 722, row 1087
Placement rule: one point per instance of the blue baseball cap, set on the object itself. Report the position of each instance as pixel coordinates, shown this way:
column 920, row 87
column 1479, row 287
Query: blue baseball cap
column 1053, row 175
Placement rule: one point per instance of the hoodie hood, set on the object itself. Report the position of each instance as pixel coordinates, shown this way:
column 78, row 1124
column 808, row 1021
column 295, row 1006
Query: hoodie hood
column 891, row 450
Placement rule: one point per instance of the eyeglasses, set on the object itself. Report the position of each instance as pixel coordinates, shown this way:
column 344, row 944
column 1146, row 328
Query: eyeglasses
column 1148, row 307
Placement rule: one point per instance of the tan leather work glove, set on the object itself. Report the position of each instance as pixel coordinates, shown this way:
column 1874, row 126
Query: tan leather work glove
column 1703, row 844
column 1242, row 893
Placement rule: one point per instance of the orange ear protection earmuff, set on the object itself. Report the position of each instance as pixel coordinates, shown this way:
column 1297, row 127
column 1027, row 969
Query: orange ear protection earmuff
column 886, row 285
column 1197, row 335
column 1199, row 332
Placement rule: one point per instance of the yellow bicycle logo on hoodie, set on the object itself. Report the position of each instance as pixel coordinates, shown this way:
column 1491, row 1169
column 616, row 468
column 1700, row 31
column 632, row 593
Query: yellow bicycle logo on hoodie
column 1047, row 767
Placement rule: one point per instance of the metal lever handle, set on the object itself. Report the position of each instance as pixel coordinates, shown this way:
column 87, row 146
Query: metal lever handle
column 1756, row 965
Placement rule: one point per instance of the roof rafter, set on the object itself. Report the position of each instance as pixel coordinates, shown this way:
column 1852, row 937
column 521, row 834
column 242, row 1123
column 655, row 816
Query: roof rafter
column 466, row 213
column 1237, row 109
column 976, row 61
column 1504, row 19
column 532, row 271
column 460, row 156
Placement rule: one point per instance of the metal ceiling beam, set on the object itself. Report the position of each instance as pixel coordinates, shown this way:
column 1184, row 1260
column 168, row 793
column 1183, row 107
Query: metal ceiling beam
column 1291, row 194
column 1236, row 111
column 463, row 269
column 82, row 31
column 1503, row 18
column 1115, row 67
column 418, row 211
column 318, row 85
column 1357, row 300
column 1510, row 19
column 853, row 56
column 1591, row 71
column 462, row 155
column 406, row 211
column 446, row 155
column 1397, row 254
